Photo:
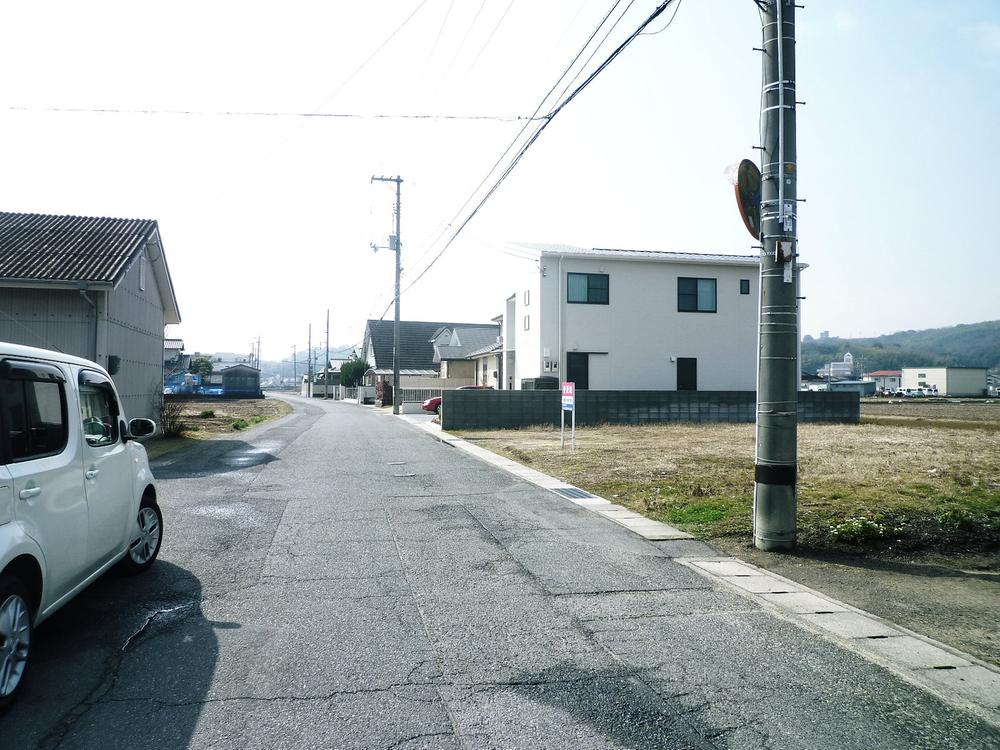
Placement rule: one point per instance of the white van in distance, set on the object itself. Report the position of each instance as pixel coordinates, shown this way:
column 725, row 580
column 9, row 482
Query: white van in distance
column 76, row 493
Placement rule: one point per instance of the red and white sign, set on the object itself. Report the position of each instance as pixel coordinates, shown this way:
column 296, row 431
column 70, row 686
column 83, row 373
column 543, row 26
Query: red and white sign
column 568, row 396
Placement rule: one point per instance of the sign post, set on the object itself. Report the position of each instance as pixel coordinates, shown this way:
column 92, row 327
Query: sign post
column 568, row 405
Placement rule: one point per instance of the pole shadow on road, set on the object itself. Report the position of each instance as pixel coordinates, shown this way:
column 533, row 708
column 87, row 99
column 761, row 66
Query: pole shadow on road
column 127, row 663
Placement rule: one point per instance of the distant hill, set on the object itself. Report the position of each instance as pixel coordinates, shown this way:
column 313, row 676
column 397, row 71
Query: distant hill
column 971, row 345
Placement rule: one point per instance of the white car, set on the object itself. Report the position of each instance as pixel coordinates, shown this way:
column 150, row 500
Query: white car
column 76, row 493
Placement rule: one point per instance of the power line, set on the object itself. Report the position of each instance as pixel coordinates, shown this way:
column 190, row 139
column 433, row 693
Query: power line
column 265, row 113
column 370, row 57
column 492, row 34
column 437, row 39
column 514, row 141
column 544, row 124
column 461, row 44
column 596, row 48
column 517, row 137
column 667, row 26
column 538, row 131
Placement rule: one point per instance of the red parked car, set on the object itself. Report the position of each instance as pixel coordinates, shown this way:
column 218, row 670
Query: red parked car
column 434, row 404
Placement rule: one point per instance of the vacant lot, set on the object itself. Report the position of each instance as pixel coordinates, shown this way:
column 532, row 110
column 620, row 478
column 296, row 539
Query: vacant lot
column 206, row 418
column 978, row 414
column 902, row 520
column 872, row 486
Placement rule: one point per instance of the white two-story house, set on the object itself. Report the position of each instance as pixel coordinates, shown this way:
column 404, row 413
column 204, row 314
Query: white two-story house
column 633, row 320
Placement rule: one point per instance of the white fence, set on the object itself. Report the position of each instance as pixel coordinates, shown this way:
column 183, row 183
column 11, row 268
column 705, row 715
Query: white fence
column 417, row 394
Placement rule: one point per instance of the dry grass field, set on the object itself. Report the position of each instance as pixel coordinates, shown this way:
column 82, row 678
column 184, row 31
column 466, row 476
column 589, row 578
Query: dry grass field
column 917, row 486
column 975, row 414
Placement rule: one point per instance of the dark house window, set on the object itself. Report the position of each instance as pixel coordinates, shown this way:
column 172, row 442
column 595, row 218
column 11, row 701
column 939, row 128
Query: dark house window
column 696, row 295
column 587, row 288
column 744, row 286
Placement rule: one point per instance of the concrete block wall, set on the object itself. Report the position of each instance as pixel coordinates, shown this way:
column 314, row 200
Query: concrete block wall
column 513, row 409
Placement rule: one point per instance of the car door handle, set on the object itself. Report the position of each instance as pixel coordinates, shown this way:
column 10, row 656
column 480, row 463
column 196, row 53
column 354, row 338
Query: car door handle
column 30, row 493
column 91, row 473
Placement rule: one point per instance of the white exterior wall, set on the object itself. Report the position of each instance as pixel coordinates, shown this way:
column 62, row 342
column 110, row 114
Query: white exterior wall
column 966, row 381
column 951, row 381
column 926, row 377
column 527, row 359
column 887, row 382
column 633, row 338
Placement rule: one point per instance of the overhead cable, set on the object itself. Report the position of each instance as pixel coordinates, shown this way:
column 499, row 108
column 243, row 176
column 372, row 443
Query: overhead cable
column 517, row 137
column 540, row 129
column 264, row 113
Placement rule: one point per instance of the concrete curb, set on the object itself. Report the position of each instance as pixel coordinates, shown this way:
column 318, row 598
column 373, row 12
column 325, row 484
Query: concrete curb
column 955, row 677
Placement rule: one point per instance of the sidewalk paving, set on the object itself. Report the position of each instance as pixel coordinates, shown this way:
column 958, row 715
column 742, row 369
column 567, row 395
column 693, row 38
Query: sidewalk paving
column 956, row 677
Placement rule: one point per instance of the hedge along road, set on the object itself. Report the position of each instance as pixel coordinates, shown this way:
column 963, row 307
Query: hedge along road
column 340, row 579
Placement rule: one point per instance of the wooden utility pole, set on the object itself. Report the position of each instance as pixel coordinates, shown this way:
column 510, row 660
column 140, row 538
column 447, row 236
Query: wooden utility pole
column 395, row 245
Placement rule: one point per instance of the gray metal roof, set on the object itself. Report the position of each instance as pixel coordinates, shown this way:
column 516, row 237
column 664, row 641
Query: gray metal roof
column 37, row 247
column 486, row 349
column 416, row 351
column 471, row 339
column 571, row 251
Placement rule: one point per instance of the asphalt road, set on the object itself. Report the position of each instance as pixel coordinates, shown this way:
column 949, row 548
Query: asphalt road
column 341, row 580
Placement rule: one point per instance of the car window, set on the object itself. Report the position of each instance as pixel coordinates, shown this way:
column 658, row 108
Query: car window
column 34, row 417
column 99, row 415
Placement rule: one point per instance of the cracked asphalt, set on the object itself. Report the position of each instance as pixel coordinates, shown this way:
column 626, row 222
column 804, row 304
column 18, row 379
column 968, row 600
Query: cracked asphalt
column 310, row 593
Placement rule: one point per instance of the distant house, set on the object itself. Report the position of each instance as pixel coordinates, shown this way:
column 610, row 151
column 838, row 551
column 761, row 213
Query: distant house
column 633, row 320
column 886, row 380
column 454, row 347
column 174, row 358
column 420, row 364
column 838, row 370
column 488, row 363
column 949, row 381
column 94, row 287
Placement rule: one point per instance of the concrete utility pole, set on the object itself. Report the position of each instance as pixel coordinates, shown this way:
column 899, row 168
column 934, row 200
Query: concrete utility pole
column 326, row 369
column 774, row 510
column 309, row 366
column 295, row 369
column 396, row 245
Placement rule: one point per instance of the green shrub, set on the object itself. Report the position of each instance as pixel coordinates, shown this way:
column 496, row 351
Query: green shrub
column 860, row 530
column 240, row 424
column 207, row 414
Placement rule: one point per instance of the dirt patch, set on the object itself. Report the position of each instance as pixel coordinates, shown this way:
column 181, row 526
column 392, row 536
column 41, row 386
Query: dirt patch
column 210, row 417
column 204, row 419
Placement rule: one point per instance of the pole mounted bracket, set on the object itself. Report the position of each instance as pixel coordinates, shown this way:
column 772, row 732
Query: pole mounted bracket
column 782, row 475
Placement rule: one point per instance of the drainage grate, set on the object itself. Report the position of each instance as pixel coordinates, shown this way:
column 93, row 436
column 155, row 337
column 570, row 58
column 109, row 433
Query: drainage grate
column 571, row 492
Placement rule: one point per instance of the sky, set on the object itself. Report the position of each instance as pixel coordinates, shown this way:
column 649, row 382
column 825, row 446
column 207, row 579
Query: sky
column 267, row 219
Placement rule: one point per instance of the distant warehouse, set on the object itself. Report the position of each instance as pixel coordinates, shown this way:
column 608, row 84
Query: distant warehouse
column 949, row 381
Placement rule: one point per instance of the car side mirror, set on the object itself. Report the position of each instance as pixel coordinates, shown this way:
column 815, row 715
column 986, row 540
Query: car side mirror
column 141, row 427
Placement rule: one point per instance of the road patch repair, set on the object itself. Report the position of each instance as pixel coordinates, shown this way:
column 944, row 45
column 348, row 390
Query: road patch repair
column 955, row 677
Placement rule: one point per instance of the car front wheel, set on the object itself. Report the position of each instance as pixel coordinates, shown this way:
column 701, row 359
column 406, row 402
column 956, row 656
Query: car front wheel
column 147, row 535
column 15, row 637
